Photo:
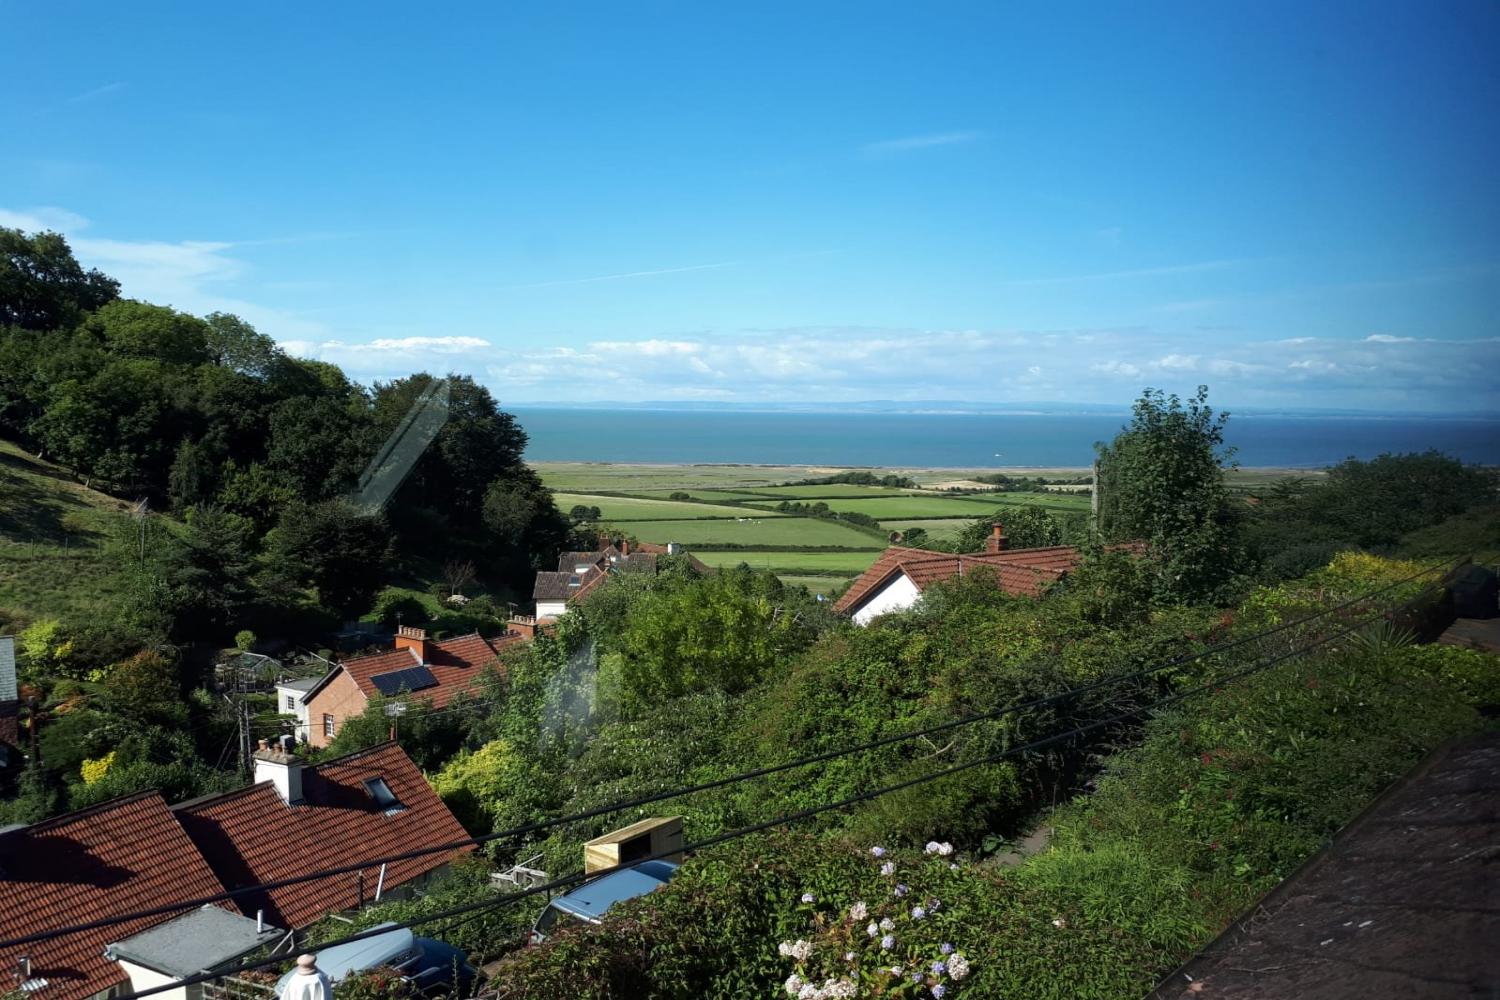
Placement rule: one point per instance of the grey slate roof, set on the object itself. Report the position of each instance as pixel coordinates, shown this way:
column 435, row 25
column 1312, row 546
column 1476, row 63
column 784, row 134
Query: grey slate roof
column 198, row 940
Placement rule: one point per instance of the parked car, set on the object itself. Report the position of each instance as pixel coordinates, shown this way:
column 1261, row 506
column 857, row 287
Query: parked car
column 430, row 965
column 590, row 901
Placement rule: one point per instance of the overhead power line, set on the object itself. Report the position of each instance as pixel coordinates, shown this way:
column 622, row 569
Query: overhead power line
column 669, row 794
column 470, row 910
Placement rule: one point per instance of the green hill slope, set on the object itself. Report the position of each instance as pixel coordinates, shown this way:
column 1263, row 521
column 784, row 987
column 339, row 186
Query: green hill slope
column 52, row 539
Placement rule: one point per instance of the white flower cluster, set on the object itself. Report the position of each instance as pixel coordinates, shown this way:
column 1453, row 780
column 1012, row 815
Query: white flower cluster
column 800, row 950
column 958, row 966
column 859, row 911
column 832, row 989
column 933, row 847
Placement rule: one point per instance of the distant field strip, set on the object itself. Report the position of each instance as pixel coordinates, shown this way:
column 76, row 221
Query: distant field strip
column 640, row 509
column 829, row 491
column 946, row 527
column 754, row 530
column 805, row 563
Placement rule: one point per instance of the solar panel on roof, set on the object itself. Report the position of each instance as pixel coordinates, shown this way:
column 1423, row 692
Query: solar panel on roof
column 407, row 679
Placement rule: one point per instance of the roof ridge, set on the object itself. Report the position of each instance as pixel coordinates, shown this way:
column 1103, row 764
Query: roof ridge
column 193, row 803
column 382, row 745
column 86, row 811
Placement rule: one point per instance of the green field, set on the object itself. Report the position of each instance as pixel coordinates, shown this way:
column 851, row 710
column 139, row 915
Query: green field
column 911, row 505
column 641, row 509
column 833, row 490
column 702, row 495
column 942, row 528
column 810, row 563
column 774, row 531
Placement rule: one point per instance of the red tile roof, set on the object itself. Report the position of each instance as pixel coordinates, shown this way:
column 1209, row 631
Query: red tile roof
column 251, row 836
column 456, row 664
column 123, row 855
column 1023, row 572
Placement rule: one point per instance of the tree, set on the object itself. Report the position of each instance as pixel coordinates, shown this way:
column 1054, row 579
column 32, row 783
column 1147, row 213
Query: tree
column 458, row 574
column 523, row 528
column 237, row 345
column 42, row 286
column 1161, row 482
column 138, row 329
column 334, row 548
column 1024, row 527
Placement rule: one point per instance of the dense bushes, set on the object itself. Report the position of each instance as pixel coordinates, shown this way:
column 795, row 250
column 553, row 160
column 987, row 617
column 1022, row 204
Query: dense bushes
column 1225, row 796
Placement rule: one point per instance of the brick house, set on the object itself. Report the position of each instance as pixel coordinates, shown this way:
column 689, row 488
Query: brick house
column 431, row 670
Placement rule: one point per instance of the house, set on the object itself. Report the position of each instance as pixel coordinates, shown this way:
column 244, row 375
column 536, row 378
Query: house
column 433, row 670
column 117, row 857
column 299, row 818
column 579, row 573
column 899, row 576
column 138, row 853
column 10, row 706
column 291, row 699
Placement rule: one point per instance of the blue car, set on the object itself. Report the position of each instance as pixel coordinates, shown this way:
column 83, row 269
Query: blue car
column 590, row 901
column 431, row 966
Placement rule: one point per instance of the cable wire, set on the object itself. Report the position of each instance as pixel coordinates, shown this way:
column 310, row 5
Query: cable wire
column 716, row 783
column 474, row 908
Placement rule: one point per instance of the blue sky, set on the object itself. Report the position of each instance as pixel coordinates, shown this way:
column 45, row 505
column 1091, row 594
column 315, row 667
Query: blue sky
column 1295, row 203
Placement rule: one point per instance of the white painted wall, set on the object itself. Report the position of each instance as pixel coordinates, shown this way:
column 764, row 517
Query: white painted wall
column 299, row 708
column 897, row 595
column 551, row 609
column 142, row 979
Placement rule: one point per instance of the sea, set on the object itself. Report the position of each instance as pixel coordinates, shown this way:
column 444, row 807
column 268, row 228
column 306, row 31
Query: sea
column 963, row 440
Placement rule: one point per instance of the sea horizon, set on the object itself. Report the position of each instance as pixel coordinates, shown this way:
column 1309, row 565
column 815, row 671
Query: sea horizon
column 965, row 440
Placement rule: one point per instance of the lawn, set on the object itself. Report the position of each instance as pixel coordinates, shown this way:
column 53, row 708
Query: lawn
column 642, row 509
column 755, row 530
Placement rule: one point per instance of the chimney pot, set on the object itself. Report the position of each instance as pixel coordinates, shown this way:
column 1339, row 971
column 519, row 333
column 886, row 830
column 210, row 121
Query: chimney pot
column 997, row 540
column 415, row 639
column 624, row 546
column 282, row 769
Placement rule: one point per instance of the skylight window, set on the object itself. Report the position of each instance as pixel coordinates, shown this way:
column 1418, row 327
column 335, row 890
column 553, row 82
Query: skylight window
column 383, row 796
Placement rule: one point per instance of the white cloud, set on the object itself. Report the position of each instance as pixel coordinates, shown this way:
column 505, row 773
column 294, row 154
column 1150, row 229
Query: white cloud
column 1386, row 338
column 435, row 345
column 914, row 142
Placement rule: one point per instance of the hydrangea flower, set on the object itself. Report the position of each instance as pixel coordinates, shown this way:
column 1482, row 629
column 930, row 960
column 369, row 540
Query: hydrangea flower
column 809, row 991
column 887, row 924
column 900, row 889
column 879, row 852
column 800, row 950
column 946, row 948
column 916, row 977
column 939, row 968
column 793, row 984
column 939, row 990
column 944, row 849
column 958, row 966
column 873, row 929
column 917, row 913
column 889, row 868
column 888, row 942
column 808, row 897
column 931, row 848
column 838, row 989
column 859, row 911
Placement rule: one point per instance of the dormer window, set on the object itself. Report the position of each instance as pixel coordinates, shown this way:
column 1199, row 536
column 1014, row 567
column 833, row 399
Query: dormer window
column 574, row 581
column 382, row 795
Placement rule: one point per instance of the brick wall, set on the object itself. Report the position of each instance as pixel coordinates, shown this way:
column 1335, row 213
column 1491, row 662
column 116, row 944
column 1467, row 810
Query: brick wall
column 340, row 698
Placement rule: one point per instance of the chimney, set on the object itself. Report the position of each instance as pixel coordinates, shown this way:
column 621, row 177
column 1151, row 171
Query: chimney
column 414, row 639
column 673, row 548
column 997, row 539
column 524, row 624
column 282, row 769
column 624, row 546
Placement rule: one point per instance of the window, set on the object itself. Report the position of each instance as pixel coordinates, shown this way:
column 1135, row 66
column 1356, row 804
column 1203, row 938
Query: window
column 383, row 796
column 291, row 703
column 327, row 724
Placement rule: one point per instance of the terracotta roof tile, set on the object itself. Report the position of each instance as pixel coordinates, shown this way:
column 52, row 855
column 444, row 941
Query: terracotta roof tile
column 123, row 855
column 457, row 665
column 252, row 836
column 1023, row 572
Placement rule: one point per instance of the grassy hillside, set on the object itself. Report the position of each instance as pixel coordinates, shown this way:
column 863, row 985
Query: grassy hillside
column 52, row 535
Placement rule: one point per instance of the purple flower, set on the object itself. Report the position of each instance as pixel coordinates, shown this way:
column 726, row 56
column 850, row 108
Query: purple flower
column 900, row 889
column 889, row 868
column 916, row 977
column 917, row 913
column 946, row 949
column 808, row 897
column 938, row 968
column 939, row 990
column 879, row 852
column 888, row 942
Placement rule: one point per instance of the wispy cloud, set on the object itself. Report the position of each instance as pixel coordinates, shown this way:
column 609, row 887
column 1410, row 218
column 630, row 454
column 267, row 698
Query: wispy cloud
column 1138, row 272
column 915, row 142
column 629, row 274
column 97, row 92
